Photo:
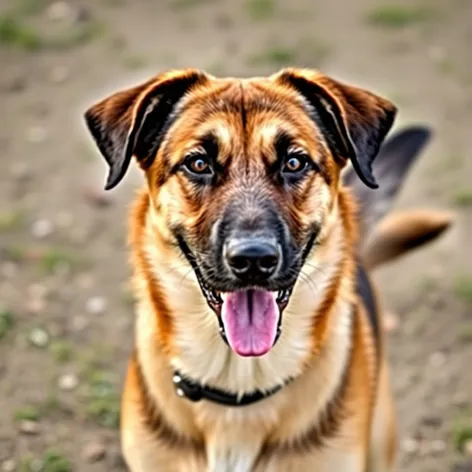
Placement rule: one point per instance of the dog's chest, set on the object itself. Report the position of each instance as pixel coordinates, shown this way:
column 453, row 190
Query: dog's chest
column 232, row 453
column 231, row 458
column 234, row 439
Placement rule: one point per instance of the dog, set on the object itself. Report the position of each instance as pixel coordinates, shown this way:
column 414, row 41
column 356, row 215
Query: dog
column 258, row 334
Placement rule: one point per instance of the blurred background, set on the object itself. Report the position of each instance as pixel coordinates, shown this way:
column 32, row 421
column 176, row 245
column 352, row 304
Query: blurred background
column 66, row 319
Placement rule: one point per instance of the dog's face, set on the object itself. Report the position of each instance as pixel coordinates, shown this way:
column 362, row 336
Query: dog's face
column 243, row 175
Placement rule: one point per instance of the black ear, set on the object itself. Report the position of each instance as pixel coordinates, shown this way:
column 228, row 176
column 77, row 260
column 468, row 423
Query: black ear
column 394, row 160
column 133, row 122
column 353, row 120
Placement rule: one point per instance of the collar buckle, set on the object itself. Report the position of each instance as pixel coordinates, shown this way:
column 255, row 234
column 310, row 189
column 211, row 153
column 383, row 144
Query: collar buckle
column 186, row 388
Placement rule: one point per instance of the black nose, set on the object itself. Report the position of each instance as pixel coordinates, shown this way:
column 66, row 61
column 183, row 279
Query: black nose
column 252, row 259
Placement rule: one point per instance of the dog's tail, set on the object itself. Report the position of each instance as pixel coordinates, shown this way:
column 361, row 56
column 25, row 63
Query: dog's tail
column 386, row 237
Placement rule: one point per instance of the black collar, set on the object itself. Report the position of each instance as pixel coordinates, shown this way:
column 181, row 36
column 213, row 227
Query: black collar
column 184, row 387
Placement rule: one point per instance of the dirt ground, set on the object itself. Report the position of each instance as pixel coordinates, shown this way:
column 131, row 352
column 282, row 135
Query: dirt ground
column 66, row 317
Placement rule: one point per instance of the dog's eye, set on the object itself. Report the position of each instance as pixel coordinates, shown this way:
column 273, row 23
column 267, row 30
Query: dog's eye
column 295, row 163
column 198, row 164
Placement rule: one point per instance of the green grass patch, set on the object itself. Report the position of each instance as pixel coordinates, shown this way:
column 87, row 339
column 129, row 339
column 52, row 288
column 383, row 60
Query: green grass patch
column 134, row 61
column 15, row 253
column 462, row 288
column 15, row 33
column 461, row 432
column 54, row 461
column 260, row 10
column 102, row 402
column 62, row 351
column 114, row 3
column 399, row 16
column 52, row 259
column 80, row 34
column 6, row 322
column 27, row 413
column 277, row 56
column 184, row 4
column 11, row 220
column 25, row 463
column 462, row 197
column 445, row 66
column 30, row 7
column 465, row 332
column 217, row 68
column 312, row 52
column 50, row 405
column 127, row 297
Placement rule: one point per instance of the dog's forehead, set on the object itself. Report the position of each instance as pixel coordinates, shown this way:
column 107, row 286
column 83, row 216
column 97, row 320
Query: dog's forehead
column 256, row 109
column 249, row 95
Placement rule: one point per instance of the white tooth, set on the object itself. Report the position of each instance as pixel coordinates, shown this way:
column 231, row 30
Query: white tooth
column 223, row 296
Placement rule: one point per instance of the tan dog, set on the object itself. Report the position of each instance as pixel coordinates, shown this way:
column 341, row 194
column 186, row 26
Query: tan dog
column 257, row 344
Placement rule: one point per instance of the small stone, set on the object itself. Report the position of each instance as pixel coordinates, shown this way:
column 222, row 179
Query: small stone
column 42, row 228
column 437, row 446
column 82, row 14
column 80, row 235
column 59, row 74
column 460, row 400
column 37, row 465
column 15, row 84
column 20, row 171
column 35, row 305
column 36, row 134
column 468, row 448
column 59, row 11
column 37, row 290
column 96, row 305
column 29, row 427
column 390, row 322
column 9, row 465
column 94, row 451
column 64, row 220
column 8, row 270
column 68, row 382
column 39, row 338
column 432, row 421
column 410, row 445
column 79, row 323
column 85, row 281
column 437, row 359
column 437, row 53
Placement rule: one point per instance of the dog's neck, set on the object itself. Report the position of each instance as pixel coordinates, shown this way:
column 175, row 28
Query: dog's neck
column 173, row 314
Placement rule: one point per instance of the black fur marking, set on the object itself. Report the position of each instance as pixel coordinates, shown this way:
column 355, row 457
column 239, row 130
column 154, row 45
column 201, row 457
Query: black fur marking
column 364, row 290
column 358, row 142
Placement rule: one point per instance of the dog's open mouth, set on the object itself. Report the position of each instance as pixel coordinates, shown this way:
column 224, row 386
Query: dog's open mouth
column 250, row 320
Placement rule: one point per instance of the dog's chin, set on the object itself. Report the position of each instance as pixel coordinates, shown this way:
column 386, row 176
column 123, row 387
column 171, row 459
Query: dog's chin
column 250, row 319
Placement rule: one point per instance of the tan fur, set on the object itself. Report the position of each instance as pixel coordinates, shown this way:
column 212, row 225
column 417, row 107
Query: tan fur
column 402, row 232
column 270, row 433
column 337, row 413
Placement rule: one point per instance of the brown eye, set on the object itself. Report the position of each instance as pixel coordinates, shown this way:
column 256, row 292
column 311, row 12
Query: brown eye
column 198, row 164
column 295, row 164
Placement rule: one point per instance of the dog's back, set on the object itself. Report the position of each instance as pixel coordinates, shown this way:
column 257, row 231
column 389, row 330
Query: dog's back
column 385, row 237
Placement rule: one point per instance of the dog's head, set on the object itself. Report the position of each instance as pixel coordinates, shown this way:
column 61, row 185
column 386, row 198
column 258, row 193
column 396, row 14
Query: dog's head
column 243, row 175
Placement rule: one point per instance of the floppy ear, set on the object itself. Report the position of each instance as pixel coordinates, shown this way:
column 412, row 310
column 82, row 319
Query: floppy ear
column 353, row 120
column 394, row 160
column 133, row 122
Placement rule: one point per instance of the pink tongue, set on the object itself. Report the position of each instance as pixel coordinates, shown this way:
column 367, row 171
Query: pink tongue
column 250, row 319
